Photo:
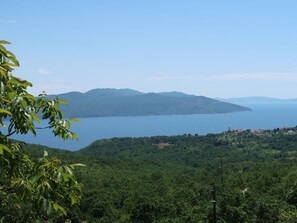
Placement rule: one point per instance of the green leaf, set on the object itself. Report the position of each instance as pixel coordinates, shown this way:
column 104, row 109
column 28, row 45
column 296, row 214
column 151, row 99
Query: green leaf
column 4, row 42
column 72, row 166
column 3, row 147
column 14, row 60
column 49, row 209
column 74, row 120
column 3, row 72
column 2, row 87
column 9, row 65
column 68, row 125
column 66, row 177
column 73, row 199
column 59, row 208
column 10, row 53
column 36, row 118
column 30, row 97
column 45, row 153
column 74, row 136
column 21, row 82
column 5, row 111
column 63, row 101
column 3, row 51
column 68, row 170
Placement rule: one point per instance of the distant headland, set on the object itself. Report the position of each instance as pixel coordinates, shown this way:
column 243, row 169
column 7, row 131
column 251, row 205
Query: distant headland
column 106, row 102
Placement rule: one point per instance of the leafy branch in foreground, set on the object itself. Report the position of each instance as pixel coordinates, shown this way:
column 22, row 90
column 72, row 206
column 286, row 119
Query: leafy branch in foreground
column 31, row 190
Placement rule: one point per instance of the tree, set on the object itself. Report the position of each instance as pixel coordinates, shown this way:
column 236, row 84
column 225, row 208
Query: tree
column 31, row 190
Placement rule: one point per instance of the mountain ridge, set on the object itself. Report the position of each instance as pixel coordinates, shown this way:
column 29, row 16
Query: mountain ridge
column 127, row 102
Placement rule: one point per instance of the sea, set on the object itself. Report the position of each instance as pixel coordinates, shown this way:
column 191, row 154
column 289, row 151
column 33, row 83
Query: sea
column 262, row 116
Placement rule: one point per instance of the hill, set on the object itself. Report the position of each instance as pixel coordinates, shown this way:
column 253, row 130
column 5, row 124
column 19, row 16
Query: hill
column 127, row 102
column 170, row 179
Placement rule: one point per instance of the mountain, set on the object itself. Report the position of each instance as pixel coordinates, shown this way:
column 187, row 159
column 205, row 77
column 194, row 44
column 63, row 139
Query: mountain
column 258, row 100
column 127, row 102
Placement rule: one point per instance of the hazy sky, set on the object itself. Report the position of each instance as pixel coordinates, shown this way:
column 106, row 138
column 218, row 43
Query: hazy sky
column 216, row 48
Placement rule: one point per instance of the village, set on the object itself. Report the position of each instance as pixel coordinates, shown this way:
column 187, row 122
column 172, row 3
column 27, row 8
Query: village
column 261, row 132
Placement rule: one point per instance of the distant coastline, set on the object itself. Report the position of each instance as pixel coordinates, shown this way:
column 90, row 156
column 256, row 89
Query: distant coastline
column 259, row 100
column 127, row 102
column 263, row 116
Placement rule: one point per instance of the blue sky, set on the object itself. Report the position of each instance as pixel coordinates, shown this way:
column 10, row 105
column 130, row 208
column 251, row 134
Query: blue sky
column 216, row 48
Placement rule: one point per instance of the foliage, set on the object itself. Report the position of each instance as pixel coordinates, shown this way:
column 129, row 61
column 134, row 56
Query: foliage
column 141, row 180
column 31, row 189
column 150, row 179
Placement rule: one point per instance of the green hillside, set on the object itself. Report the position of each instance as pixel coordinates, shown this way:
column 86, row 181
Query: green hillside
column 127, row 102
column 171, row 179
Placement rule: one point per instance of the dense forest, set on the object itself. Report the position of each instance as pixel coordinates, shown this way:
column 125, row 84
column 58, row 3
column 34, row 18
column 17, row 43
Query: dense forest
column 236, row 176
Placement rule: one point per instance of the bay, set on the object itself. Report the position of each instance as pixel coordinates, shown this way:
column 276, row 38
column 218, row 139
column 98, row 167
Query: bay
column 263, row 116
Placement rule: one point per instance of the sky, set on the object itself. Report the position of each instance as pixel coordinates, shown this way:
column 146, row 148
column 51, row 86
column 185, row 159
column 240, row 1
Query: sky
column 215, row 48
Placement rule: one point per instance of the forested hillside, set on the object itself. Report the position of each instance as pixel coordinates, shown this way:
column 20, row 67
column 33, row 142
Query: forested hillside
column 127, row 102
column 173, row 179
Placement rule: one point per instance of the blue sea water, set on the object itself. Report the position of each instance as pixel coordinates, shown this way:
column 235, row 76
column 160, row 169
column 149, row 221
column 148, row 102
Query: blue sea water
column 263, row 116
